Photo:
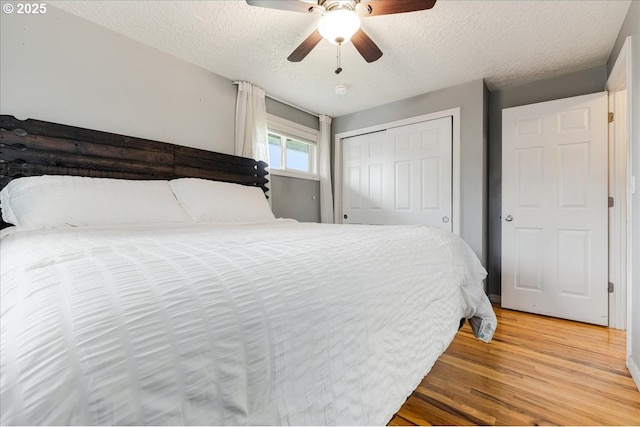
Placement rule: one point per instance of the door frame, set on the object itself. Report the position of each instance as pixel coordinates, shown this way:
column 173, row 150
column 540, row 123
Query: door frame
column 620, row 78
column 455, row 158
column 618, row 183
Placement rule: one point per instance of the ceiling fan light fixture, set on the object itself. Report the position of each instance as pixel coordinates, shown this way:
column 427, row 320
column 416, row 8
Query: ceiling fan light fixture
column 338, row 26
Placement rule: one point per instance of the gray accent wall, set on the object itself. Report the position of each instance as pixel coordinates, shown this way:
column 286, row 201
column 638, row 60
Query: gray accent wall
column 285, row 111
column 574, row 84
column 294, row 198
column 631, row 27
column 471, row 98
column 61, row 68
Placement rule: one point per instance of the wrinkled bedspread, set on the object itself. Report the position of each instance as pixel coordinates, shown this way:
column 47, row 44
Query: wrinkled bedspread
column 273, row 323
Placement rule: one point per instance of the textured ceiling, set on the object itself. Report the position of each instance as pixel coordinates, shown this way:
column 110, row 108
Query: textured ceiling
column 504, row 42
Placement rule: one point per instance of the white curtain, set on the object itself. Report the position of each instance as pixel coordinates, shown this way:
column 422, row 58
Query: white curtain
column 251, row 123
column 324, row 170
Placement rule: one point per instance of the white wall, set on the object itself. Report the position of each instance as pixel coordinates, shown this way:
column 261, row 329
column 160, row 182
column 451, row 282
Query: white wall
column 471, row 98
column 58, row 67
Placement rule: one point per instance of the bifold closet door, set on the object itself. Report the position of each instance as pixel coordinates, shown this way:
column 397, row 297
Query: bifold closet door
column 402, row 175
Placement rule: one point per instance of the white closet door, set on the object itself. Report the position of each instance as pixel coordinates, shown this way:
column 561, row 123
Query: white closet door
column 554, row 208
column 400, row 176
column 364, row 172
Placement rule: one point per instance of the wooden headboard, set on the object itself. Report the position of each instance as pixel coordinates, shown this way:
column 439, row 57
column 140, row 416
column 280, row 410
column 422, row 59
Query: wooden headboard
column 33, row 147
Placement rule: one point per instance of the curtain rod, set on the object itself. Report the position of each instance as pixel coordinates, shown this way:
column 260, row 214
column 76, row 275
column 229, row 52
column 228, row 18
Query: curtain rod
column 286, row 103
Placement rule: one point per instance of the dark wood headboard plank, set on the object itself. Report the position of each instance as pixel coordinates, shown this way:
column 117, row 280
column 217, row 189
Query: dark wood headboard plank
column 207, row 163
column 218, row 175
column 63, row 160
column 62, row 145
column 55, row 130
column 34, row 147
column 194, row 153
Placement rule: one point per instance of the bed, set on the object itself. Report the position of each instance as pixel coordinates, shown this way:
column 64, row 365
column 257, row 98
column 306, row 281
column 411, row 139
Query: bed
column 195, row 305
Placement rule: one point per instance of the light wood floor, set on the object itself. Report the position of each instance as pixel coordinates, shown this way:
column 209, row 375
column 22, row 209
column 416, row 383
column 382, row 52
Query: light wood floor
column 536, row 371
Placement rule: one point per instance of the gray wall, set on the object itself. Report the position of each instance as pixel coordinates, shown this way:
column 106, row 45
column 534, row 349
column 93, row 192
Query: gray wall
column 573, row 84
column 293, row 197
column 471, row 98
column 61, row 68
column 287, row 112
column 631, row 27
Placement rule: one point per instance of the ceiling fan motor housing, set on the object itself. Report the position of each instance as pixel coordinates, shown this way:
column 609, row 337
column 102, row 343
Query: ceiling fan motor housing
column 330, row 5
column 337, row 30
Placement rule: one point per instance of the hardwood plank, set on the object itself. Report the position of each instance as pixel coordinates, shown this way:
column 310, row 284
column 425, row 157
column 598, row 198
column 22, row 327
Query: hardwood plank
column 557, row 373
column 537, row 371
column 421, row 411
column 397, row 420
column 476, row 416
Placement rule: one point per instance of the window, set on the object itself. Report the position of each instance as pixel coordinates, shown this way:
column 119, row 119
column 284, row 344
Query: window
column 295, row 155
column 292, row 149
column 275, row 153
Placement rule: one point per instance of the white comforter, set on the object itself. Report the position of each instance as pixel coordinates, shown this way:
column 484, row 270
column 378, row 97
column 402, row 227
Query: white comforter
column 275, row 323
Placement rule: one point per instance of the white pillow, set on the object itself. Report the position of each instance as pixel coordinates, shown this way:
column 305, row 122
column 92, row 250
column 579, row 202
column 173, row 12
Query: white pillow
column 59, row 200
column 215, row 201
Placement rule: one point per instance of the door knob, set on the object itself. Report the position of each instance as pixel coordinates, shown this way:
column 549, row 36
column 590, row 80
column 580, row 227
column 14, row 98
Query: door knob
column 445, row 219
column 508, row 218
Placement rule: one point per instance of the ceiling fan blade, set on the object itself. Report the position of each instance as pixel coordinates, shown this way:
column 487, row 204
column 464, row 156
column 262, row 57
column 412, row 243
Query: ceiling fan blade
column 305, row 47
column 367, row 48
column 291, row 5
column 388, row 7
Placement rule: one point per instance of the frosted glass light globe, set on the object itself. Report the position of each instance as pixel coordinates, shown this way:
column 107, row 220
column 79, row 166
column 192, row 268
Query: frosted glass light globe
column 338, row 26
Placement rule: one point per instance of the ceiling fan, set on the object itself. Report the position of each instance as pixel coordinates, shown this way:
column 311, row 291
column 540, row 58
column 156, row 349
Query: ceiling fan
column 340, row 21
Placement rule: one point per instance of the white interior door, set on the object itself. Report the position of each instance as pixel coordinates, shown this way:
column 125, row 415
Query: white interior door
column 401, row 175
column 364, row 176
column 554, row 208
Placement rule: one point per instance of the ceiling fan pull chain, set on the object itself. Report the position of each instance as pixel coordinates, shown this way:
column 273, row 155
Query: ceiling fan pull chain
column 339, row 69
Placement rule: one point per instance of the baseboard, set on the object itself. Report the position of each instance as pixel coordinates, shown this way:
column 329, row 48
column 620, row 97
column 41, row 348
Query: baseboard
column 635, row 372
column 495, row 299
